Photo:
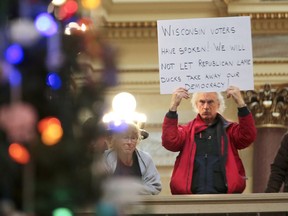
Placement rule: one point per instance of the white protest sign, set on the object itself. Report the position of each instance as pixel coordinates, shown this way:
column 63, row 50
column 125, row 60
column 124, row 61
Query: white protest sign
column 205, row 54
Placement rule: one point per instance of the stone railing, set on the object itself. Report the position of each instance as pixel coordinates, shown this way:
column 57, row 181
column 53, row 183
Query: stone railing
column 257, row 204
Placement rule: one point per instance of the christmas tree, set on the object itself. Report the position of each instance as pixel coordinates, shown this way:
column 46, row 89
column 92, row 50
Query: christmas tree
column 49, row 120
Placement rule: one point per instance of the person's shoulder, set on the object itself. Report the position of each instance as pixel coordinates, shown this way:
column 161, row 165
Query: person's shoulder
column 108, row 153
column 143, row 153
column 286, row 134
column 285, row 138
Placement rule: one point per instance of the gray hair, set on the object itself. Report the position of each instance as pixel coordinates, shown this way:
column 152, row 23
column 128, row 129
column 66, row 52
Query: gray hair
column 220, row 98
column 123, row 128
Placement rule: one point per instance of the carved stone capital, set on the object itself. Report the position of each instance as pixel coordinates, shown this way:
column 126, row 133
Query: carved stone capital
column 269, row 105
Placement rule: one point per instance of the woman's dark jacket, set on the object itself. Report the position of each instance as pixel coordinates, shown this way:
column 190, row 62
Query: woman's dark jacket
column 279, row 169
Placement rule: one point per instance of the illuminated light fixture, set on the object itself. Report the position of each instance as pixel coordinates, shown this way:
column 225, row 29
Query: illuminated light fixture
column 124, row 106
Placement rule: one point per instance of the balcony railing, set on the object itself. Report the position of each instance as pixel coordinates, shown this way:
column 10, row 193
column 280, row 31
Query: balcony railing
column 257, row 204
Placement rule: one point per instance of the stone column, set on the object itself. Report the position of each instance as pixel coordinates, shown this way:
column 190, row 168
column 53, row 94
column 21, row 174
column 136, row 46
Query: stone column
column 265, row 148
column 269, row 108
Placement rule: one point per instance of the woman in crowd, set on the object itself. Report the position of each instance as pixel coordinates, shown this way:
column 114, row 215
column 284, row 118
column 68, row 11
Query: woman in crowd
column 279, row 169
column 123, row 159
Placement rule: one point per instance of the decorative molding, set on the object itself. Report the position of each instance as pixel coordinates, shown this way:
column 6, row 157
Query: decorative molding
column 272, row 126
column 269, row 25
column 152, row 10
column 148, row 29
column 142, row 82
column 280, row 16
column 266, row 16
column 270, row 60
column 126, row 30
column 139, row 70
column 136, row 24
column 131, row 33
column 274, row 74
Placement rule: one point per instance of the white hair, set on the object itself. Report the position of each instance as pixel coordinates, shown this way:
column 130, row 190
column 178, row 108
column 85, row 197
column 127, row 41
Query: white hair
column 122, row 129
column 220, row 98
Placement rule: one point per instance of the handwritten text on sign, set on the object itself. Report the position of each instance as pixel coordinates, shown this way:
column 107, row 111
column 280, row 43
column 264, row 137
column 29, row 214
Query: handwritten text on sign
column 205, row 55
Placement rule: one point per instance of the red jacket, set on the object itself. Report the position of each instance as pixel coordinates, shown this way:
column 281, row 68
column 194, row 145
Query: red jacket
column 181, row 138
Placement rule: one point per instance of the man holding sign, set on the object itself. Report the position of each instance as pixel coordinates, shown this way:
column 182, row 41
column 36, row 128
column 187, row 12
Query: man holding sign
column 208, row 162
column 205, row 54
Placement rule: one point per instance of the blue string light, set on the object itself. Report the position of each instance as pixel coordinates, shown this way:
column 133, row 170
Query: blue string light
column 54, row 81
column 15, row 78
column 45, row 24
column 14, row 54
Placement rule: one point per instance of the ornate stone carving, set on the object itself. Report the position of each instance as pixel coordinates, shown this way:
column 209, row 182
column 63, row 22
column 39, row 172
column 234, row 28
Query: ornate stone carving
column 268, row 105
